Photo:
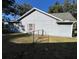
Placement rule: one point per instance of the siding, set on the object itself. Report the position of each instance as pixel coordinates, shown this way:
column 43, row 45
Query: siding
column 46, row 23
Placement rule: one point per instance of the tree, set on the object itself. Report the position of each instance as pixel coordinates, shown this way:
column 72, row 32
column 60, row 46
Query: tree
column 10, row 7
column 74, row 11
column 56, row 8
column 7, row 6
column 7, row 3
column 68, row 6
column 21, row 9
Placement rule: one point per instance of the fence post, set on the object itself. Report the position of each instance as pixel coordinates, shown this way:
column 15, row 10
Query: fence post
column 42, row 32
column 33, row 36
column 48, row 38
column 38, row 33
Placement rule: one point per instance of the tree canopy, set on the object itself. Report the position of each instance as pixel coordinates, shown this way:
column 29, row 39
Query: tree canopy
column 7, row 3
column 67, row 6
column 9, row 6
column 22, row 8
column 56, row 8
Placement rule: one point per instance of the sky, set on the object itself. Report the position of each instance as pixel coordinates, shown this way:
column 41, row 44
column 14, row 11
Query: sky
column 40, row 4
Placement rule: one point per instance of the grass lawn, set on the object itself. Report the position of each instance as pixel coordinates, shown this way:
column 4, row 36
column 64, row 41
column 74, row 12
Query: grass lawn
column 62, row 39
column 12, row 50
column 23, row 38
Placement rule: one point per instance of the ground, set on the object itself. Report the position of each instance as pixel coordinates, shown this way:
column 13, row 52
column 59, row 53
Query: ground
column 24, row 38
column 50, row 50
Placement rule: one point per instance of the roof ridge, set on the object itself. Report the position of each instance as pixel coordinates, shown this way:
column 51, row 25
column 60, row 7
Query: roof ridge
column 34, row 8
column 60, row 12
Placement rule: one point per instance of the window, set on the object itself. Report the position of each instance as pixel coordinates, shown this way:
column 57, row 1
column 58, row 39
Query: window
column 31, row 27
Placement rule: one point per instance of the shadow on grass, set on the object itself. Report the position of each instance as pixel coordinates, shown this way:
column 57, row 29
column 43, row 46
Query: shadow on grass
column 9, row 36
column 39, row 50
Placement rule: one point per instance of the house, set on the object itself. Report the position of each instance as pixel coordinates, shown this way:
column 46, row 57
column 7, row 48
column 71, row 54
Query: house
column 56, row 24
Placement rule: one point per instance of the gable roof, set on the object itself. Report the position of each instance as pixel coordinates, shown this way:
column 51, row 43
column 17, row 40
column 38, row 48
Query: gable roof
column 35, row 9
column 64, row 16
column 60, row 17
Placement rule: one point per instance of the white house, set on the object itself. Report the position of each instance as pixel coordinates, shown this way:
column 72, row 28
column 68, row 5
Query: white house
column 56, row 24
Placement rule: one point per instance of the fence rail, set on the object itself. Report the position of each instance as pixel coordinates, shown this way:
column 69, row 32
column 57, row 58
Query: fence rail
column 39, row 36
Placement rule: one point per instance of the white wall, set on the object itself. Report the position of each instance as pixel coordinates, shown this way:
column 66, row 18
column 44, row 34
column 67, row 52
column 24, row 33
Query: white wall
column 46, row 23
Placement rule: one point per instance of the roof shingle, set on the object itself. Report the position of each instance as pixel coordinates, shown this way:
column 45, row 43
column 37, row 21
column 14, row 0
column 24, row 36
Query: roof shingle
column 64, row 16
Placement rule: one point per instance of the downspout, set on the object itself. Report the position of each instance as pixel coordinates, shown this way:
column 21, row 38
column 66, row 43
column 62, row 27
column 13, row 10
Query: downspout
column 72, row 30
